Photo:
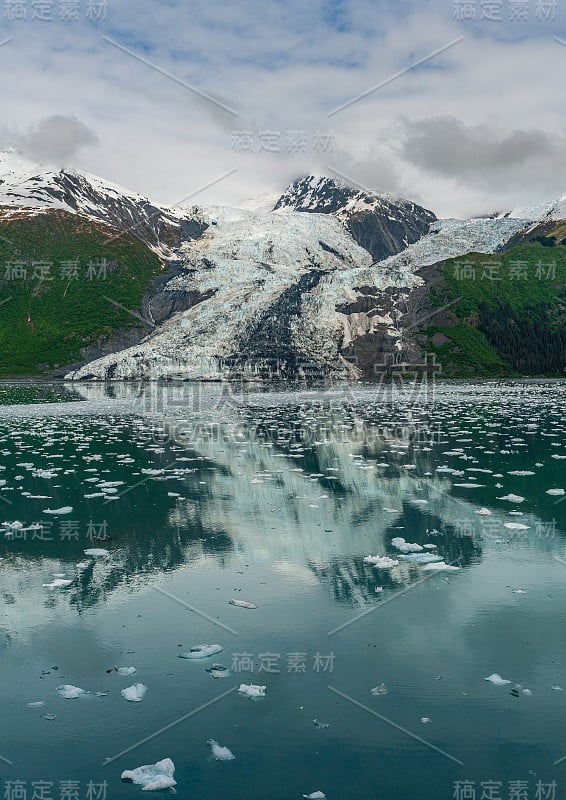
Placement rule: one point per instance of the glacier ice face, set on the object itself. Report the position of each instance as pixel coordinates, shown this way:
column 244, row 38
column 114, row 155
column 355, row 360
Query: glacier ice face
column 275, row 290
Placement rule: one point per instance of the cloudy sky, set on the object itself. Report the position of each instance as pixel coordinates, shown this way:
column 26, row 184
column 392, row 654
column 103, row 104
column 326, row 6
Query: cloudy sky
column 458, row 104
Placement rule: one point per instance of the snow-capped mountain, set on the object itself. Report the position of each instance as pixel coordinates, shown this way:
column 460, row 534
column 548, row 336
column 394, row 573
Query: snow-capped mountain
column 327, row 275
column 26, row 185
column 380, row 223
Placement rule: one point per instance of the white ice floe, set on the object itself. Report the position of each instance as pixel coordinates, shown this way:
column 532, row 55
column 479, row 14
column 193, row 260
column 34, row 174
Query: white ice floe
column 134, row 693
column 421, row 558
column 380, row 689
column 485, row 512
column 241, row 604
column 424, row 720
column 406, row 547
column 497, row 680
column 382, row 562
column 58, row 583
column 126, row 670
column 69, row 692
column 555, row 492
column 202, row 651
column 220, row 753
column 97, row 552
column 62, row 510
column 519, row 591
column 36, row 703
column 512, row 498
column 441, row 566
column 252, row 690
column 152, row 777
column 318, row 795
column 516, row 526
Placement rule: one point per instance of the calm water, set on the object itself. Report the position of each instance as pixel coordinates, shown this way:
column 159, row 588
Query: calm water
column 200, row 496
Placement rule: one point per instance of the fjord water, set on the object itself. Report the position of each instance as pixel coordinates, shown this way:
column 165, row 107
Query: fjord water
column 201, row 495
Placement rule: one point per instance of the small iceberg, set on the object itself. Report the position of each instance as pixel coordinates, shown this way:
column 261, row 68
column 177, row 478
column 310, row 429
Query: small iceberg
column 58, row 583
column 315, row 796
column 152, row 777
column 96, row 552
column 220, row 753
column 125, row 670
column 218, row 671
column 406, row 547
column 62, row 510
column 555, row 492
column 252, row 690
column 379, row 689
column 516, row 526
column 36, row 703
column 485, row 512
column 441, row 565
column 69, row 692
column 497, row 680
column 241, row 604
column 421, row 558
column 202, row 651
column 134, row 693
column 512, row 498
column 381, row 562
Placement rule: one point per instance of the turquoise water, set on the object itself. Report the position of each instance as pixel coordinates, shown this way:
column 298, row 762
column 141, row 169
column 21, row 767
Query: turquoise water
column 276, row 498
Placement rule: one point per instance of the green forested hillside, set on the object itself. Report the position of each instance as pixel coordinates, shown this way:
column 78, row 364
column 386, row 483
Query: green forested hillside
column 510, row 311
column 62, row 282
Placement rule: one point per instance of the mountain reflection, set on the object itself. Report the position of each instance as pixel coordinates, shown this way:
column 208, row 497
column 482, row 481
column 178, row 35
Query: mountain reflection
column 317, row 478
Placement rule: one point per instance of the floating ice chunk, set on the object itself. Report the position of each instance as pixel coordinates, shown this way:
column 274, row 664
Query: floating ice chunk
column 555, row 492
column 220, row 753
column 512, row 498
column 58, row 583
column 322, row 726
column 557, row 688
column 519, row 591
column 36, row 704
column 381, row 688
column 521, row 472
column 218, row 671
column 62, row 510
column 134, row 693
column 152, row 777
column 421, row 558
column 96, row 552
column 69, row 692
column 406, row 547
column 470, row 485
column 382, row 562
column 527, row 692
column 441, row 565
column 516, row 526
column 202, row 651
column 485, row 512
column 241, row 604
column 315, row 796
column 252, row 690
column 126, row 670
column 424, row 720
column 497, row 680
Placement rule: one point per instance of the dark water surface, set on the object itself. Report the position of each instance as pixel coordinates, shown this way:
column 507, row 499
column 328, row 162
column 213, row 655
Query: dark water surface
column 204, row 495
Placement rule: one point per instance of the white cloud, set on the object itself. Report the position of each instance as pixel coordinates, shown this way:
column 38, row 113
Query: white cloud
column 283, row 67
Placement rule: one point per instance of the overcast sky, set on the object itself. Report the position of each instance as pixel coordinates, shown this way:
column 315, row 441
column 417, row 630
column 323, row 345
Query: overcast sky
column 266, row 88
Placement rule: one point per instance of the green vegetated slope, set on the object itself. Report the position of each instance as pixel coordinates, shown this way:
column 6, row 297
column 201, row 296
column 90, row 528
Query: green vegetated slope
column 510, row 318
column 62, row 280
